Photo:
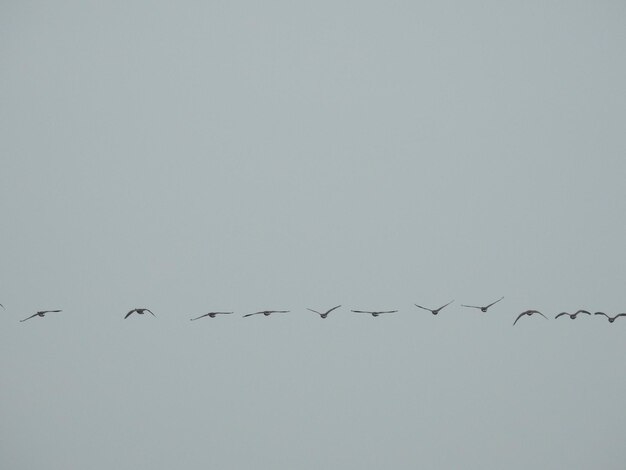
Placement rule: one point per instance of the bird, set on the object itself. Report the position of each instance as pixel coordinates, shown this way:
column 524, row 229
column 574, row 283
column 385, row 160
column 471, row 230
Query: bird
column 140, row 311
column 483, row 309
column 211, row 314
column 325, row 314
column 41, row 313
column 573, row 315
column 435, row 311
column 611, row 319
column 267, row 313
column 529, row 313
column 376, row 313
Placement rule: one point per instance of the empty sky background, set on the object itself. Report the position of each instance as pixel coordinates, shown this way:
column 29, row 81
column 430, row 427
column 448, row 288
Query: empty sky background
column 198, row 156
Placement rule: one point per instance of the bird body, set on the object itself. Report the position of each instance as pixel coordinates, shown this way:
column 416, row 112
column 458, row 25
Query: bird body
column 139, row 311
column 41, row 313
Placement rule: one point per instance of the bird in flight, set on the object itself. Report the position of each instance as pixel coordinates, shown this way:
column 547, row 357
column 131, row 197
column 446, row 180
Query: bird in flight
column 435, row 311
column 323, row 314
column 375, row 313
column 140, row 311
column 41, row 313
column 483, row 309
column 211, row 314
column 267, row 313
column 529, row 313
column 611, row 319
column 572, row 315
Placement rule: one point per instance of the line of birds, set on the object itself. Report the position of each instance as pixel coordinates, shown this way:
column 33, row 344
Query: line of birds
column 373, row 313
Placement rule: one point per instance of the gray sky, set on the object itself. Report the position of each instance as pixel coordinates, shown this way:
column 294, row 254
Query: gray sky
column 274, row 155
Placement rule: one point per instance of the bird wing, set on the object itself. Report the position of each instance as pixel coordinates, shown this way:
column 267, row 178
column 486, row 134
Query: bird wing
column 250, row 314
column 129, row 313
column 443, row 306
column 314, row 311
column 28, row 318
column 602, row 313
column 361, row 311
column 201, row 316
column 2, row 306
column 493, row 303
column 619, row 315
column 385, row 311
column 423, row 308
column 334, row 308
column 220, row 313
column 561, row 314
column 146, row 310
column 520, row 316
column 49, row 311
column 582, row 311
column 542, row 315
column 470, row 306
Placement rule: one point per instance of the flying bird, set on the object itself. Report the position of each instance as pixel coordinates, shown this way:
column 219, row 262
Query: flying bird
column 140, row 311
column 325, row 314
column 483, row 309
column 435, row 311
column 529, row 313
column 267, row 313
column 211, row 314
column 611, row 319
column 41, row 313
column 375, row 313
column 572, row 315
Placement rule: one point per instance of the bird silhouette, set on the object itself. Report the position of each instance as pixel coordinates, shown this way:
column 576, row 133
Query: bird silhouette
column 483, row 309
column 139, row 311
column 611, row 319
column 374, row 313
column 529, row 313
column 41, row 313
column 324, row 314
column 211, row 314
column 267, row 313
column 435, row 311
column 573, row 315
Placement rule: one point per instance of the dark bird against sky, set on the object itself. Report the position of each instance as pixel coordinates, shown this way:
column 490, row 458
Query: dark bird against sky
column 435, row 311
column 140, row 311
column 483, row 309
column 572, row 315
column 374, row 313
column 529, row 313
column 41, row 313
column 211, row 314
column 611, row 319
column 324, row 314
column 267, row 313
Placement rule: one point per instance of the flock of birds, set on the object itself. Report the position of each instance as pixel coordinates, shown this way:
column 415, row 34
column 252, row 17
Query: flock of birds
column 373, row 313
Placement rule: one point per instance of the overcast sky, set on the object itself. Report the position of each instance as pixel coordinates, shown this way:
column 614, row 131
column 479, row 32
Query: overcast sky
column 242, row 156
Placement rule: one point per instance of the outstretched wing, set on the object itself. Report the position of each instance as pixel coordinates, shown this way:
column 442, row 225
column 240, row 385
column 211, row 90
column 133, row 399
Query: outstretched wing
column 361, row 311
column 423, row 308
column 129, row 313
column 619, row 315
column 49, row 311
column 582, row 311
column 28, row 318
column 493, row 303
column 201, row 316
column 2, row 306
column 602, row 313
column 541, row 314
column 444, row 306
column 520, row 316
column 250, row 314
column 146, row 310
column 314, row 311
column 470, row 306
column 561, row 314
column 334, row 308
